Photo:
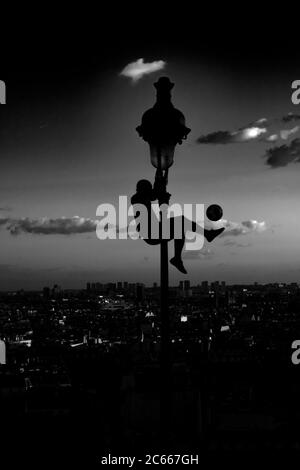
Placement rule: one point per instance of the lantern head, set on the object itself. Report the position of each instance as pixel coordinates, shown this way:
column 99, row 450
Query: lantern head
column 163, row 126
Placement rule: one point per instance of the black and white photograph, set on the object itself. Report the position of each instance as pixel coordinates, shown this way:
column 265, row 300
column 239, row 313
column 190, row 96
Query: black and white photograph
column 149, row 237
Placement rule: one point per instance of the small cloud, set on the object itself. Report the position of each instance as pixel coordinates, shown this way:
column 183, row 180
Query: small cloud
column 282, row 155
column 250, row 133
column 136, row 70
column 5, row 208
column 261, row 121
column 286, row 133
column 272, row 138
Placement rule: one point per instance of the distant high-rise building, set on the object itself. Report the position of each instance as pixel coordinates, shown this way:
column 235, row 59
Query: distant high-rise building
column 88, row 286
column 181, row 285
column 125, row 285
column 56, row 289
column 204, row 286
column 110, row 287
column 46, row 292
column 215, row 286
column 155, row 285
column 140, row 290
column 119, row 285
column 187, row 285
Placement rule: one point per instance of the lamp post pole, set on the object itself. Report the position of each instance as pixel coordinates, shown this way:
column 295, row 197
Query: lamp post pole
column 165, row 369
column 166, row 397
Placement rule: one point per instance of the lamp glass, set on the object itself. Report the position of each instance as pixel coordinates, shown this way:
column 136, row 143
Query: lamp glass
column 163, row 152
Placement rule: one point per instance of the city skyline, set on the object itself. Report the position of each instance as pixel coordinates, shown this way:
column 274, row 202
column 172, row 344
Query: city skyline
column 117, row 286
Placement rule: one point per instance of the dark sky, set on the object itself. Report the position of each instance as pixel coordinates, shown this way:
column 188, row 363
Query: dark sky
column 68, row 140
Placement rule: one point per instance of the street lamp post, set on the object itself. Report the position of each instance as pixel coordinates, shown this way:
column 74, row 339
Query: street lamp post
column 163, row 127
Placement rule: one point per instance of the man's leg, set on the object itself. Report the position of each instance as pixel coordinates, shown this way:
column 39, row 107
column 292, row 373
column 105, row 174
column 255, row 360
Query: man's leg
column 178, row 247
column 210, row 235
column 177, row 260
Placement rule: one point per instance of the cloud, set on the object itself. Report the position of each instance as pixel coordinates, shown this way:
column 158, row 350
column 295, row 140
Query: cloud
column 79, row 225
column 218, row 137
column 272, row 138
column 260, row 122
column 261, row 130
column 48, row 226
column 268, row 131
column 232, row 229
column 282, row 155
column 286, row 133
column 5, row 208
column 245, row 134
column 241, row 228
column 136, row 70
